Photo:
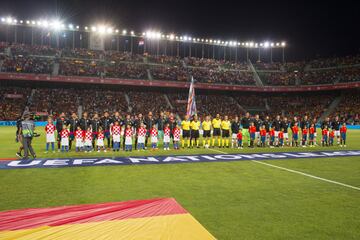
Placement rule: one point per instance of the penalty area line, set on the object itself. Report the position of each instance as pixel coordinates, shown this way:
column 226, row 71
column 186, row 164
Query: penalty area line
column 307, row 175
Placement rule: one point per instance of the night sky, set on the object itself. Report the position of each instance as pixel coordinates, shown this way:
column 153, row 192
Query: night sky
column 311, row 28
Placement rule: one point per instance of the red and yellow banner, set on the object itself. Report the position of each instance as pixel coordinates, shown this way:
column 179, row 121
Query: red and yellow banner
column 144, row 219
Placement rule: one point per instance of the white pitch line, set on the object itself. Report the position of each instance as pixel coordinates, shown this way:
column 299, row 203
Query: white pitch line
column 307, row 175
column 217, row 151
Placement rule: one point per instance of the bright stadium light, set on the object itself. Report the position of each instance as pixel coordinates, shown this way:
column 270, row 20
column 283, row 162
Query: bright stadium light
column 218, row 41
column 272, row 44
column 266, row 44
column 177, row 37
column 124, row 32
column 283, row 44
column 27, row 22
column 206, row 40
column 251, row 44
column 261, row 44
column 86, row 28
column 277, row 44
column 132, row 33
column 109, row 30
column 3, row 19
column 57, row 25
column 77, row 27
column 33, row 22
column 14, row 21
column 171, row 36
column 21, row 21
column 9, row 20
column 202, row 40
column 93, row 28
column 102, row 29
column 71, row 26
column 116, row 30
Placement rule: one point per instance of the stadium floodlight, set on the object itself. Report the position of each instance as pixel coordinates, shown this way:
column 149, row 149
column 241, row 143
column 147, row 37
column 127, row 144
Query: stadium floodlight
column 109, row 30
column 116, row 30
column 3, row 19
column 71, row 27
column 185, row 38
column 9, row 20
column 190, row 38
column 206, row 40
column 266, row 44
column 102, row 29
column 33, row 22
column 277, row 44
column 162, row 36
column 218, row 41
column 39, row 23
column 86, row 28
column 226, row 43
column 256, row 45
column 238, row 43
column 177, row 37
column 57, row 25
column 27, row 22
column 202, row 40
column 14, row 21
column 132, row 33
column 93, row 28
column 45, row 23
column 261, row 44
column 181, row 38
column 242, row 43
column 77, row 27
column 124, row 32
column 251, row 44
column 283, row 44
column 272, row 44
column 171, row 36
column 21, row 21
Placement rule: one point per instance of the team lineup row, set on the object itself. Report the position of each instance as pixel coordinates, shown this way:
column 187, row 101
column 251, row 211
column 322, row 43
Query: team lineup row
column 90, row 134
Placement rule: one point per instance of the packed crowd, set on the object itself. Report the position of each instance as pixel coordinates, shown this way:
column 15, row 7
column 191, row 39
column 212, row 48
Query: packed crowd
column 84, row 62
column 12, row 102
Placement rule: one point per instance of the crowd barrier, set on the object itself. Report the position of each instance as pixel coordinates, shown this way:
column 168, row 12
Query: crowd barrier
column 43, row 124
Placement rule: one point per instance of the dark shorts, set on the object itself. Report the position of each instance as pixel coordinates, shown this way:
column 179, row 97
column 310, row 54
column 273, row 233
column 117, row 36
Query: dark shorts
column 206, row 133
column 216, row 132
column 72, row 136
column 186, row 133
column 252, row 136
column 194, row 133
column 225, row 133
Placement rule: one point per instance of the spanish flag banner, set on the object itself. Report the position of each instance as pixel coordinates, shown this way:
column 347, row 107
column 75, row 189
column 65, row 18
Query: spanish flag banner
column 160, row 218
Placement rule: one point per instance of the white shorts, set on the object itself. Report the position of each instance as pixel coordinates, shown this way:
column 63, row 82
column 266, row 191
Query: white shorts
column 88, row 143
column 166, row 138
column 116, row 138
column 337, row 133
column 141, row 139
column 154, row 139
column 79, row 143
column 65, row 141
column 257, row 135
column 234, row 136
column 100, row 142
column 276, row 134
column 315, row 134
column 128, row 140
column 286, row 135
column 176, row 139
column 50, row 137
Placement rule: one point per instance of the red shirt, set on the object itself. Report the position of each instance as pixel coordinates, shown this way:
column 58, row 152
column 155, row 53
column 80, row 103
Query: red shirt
column 324, row 132
column 128, row 132
column 252, row 129
column 116, row 129
column 79, row 134
column 263, row 132
column 167, row 131
column 50, row 128
column 281, row 135
column 88, row 135
column 176, row 132
column 343, row 129
column 101, row 136
column 153, row 132
column 142, row 132
column 239, row 136
column 304, row 131
column 295, row 129
column 65, row 133
column 332, row 134
column 311, row 130
column 272, row 132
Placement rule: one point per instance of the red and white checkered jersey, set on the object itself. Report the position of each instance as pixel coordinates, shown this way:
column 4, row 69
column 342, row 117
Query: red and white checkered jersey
column 167, row 131
column 128, row 132
column 116, row 130
column 176, row 132
column 153, row 132
column 50, row 128
column 142, row 132
column 100, row 136
column 88, row 135
column 79, row 134
column 65, row 133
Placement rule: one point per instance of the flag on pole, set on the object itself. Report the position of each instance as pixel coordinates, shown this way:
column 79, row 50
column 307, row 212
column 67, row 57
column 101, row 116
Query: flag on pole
column 191, row 104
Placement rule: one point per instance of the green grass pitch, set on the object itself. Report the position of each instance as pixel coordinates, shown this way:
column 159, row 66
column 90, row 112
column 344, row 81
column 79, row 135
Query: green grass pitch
column 233, row 200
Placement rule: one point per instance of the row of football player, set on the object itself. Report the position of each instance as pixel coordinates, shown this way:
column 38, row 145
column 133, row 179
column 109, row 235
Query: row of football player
column 86, row 139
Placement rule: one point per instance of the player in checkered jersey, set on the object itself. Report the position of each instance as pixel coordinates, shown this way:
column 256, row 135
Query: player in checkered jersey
column 116, row 133
column 65, row 133
column 141, row 134
column 128, row 138
column 154, row 137
column 88, row 139
column 100, row 140
column 50, row 135
column 79, row 139
column 176, row 135
column 166, row 139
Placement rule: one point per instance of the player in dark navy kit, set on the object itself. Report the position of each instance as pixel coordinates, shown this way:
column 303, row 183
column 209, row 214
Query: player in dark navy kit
column 106, row 122
column 60, row 122
column 266, row 124
column 85, row 122
column 276, row 124
column 335, row 126
column 95, row 126
column 73, row 123
column 257, row 123
column 285, row 127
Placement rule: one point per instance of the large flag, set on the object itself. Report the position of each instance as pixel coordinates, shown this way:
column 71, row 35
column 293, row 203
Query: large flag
column 191, row 104
column 161, row 218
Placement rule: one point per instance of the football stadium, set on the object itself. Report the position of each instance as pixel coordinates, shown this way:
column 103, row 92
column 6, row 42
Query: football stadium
column 170, row 131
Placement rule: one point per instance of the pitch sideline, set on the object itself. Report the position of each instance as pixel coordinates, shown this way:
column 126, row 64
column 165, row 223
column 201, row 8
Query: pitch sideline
column 307, row 175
